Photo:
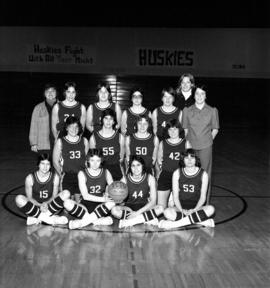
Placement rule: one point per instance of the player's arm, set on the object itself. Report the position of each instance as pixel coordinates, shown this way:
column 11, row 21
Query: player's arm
column 55, row 120
column 56, row 185
column 122, row 147
column 89, row 118
column 118, row 115
column 150, row 114
column 180, row 116
column 86, row 145
column 29, row 190
column 124, row 122
column 154, row 121
column 203, row 191
column 155, row 151
column 92, row 142
column 188, row 145
column 127, row 144
column 84, row 191
column 214, row 133
column 175, row 190
column 83, row 116
column 159, row 158
column 57, row 152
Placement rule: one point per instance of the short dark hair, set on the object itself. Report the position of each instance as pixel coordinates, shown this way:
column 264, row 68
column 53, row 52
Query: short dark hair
column 133, row 91
column 148, row 119
column 72, row 120
column 95, row 152
column 107, row 87
column 109, row 112
column 169, row 90
column 42, row 157
column 191, row 152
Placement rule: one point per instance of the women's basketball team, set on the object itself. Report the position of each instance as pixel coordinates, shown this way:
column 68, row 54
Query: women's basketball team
column 164, row 157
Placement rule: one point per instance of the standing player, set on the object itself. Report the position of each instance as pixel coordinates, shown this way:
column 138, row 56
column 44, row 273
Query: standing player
column 111, row 142
column 185, row 91
column 131, row 115
column 66, row 108
column 168, row 159
column 104, row 101
column 140, row 205
column 189, row 193
column 143, row 143
column 69, row 155
column 96, row 204
column 42, row 199
column 165, row 113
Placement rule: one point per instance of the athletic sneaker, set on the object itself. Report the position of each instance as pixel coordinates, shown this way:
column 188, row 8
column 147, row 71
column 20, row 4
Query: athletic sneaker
column 104, row 221
column 153, row 222
column 32, row 221
column 75, row 224
column 208, row 223
column 166, row 224
column 59, row 220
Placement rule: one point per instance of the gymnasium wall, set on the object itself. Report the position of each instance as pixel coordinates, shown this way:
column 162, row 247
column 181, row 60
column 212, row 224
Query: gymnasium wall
column 241, row 53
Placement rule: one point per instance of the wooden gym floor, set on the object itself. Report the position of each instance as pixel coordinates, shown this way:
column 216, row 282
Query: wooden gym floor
column 236, row 253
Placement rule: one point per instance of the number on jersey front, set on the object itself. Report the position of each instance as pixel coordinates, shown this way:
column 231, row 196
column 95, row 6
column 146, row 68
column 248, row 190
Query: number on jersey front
column 137, row 194
column 108, row 151
column 74, row 154
column 141, row 150
column 43, row 194
column 67, row 115
column 94, row 189
column 188, row 188
column 175, row 156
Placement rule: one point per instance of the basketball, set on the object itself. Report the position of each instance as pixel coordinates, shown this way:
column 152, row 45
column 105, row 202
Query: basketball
column 118, row 191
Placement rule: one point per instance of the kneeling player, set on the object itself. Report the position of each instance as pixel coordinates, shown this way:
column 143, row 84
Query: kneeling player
column 140, row 206
column 42, row 199
column 92, row 183
column 190, row 184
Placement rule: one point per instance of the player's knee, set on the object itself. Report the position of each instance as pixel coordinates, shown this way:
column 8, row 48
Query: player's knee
column 159, row 209
column 20, row 200
column 110, row 205
column 116, row 212
column 209, row 210
column 170, row 214
column 69, row 204
column 65, row 194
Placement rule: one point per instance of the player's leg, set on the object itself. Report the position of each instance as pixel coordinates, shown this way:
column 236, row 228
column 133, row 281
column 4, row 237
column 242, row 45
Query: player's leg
column 164, row 188
column 57, row 204
column 149, row 217
column 34, row 214
column 200, row 216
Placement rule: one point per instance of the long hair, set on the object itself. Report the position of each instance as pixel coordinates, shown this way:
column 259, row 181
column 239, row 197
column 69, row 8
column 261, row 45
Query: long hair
column 147, row 119
column 174, row 123
column 109, row 112
column 107, row 87
column 185, row 75
column 140, row 160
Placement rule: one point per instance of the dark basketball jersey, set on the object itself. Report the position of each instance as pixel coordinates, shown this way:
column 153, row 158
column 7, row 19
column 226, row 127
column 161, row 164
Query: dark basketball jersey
column 96, row 185
column 132, row 120
column 65, row 111
column 138, row 192
column 190, row 186
column 162, row 118
column 171, row 154
column 110, row 147
column 42, row 191
column 73, row 154
column 97, row 114
column 143, row 147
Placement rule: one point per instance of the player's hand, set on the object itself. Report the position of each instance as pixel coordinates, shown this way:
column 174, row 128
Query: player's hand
column 132, row 214
column 34, row 148
column 44, row 207
column 107, row 198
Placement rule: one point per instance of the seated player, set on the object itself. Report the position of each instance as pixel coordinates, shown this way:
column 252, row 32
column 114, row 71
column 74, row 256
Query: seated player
column 140, row 206
column 189, row 194
column 143, row 143
column 43, row 198
column 168, row 159
column 95, row 204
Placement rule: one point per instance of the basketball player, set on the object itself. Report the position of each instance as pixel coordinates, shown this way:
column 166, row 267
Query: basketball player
column 165, row 112
column 185, row 91
column 93, row 182
column 131, row 115
column 111, row 142
column 189, row 193
column 168, row 159
column 69, row 155
column 104, row 101
column 140, row 206
column 143, row 143
column 42, row 199
column 66, row 108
